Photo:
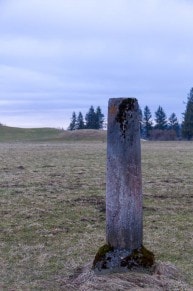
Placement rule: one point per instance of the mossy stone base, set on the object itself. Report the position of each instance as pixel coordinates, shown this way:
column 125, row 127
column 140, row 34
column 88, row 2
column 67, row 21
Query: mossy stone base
column 109, row 259
column 139, row 258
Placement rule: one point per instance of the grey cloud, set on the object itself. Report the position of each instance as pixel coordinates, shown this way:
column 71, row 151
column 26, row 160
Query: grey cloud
column 82, row 52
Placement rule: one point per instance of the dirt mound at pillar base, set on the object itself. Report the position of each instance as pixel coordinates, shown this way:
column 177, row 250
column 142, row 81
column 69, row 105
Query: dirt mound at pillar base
column 164, row 276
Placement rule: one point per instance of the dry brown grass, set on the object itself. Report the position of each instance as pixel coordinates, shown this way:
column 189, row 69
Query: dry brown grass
column 168, row 203
column 53, row 211
column 163, row 277
column 84, row 135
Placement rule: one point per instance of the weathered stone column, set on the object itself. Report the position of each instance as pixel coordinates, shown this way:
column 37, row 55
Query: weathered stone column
column 124, row 218
column 124, row 186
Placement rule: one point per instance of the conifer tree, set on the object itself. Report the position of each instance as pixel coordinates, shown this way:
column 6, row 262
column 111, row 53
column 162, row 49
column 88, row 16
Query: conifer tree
column 147, row 121
column 187, row 125
column 160, row 119
column 174, row 124
column 141, row 121
column 93, row 120
column 90, row 119
column 80, row 121
column 99, row 118
column 73, row 122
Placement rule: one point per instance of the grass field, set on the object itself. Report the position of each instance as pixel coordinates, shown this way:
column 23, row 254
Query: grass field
column 10, row 134
column 53, row 208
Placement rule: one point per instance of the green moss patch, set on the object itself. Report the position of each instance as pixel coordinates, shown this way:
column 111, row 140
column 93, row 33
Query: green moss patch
column 109, row 259
column 139, row 258
column 101, row 254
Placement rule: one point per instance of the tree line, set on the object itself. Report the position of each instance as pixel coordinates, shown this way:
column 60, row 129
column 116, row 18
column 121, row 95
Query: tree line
column 94, row 119
column 162, row 128
column 158, row 128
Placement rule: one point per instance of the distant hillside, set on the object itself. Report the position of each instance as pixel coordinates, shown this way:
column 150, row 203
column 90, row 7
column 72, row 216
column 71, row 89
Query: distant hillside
column 84, row 135
column 14, row 134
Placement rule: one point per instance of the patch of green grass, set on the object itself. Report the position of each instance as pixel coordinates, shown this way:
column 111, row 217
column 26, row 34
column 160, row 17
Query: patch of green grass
column 10, row 134
column 14, row 134
column 168, row 201
column 53, row 208
column 48, row 193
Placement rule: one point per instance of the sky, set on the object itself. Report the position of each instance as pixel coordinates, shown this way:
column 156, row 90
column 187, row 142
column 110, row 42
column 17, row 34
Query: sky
column 60, row 56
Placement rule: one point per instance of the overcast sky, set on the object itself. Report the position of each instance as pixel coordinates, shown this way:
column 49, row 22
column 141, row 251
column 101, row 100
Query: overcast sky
column 59, row 56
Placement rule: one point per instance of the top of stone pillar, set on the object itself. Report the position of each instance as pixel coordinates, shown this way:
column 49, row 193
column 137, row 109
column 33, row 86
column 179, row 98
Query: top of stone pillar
column 122, row 115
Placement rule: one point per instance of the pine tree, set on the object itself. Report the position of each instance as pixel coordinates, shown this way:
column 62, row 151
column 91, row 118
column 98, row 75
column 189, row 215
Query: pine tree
column 99, row 118
column 147, row 121
column 73, row 122
column 91, row 119
column 174, row 124
column 80, row 121
column 187, row 125
column 160, row 119
column 141, row 121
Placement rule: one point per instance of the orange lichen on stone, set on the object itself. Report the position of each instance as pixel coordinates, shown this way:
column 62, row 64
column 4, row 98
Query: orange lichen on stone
column 112, row 110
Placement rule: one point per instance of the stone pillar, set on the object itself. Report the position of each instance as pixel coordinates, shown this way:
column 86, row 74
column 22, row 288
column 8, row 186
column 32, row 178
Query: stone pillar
column 124, row 182
column 124, row 222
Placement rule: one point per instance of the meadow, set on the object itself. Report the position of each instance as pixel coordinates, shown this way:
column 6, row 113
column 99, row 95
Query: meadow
column 52, row 205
